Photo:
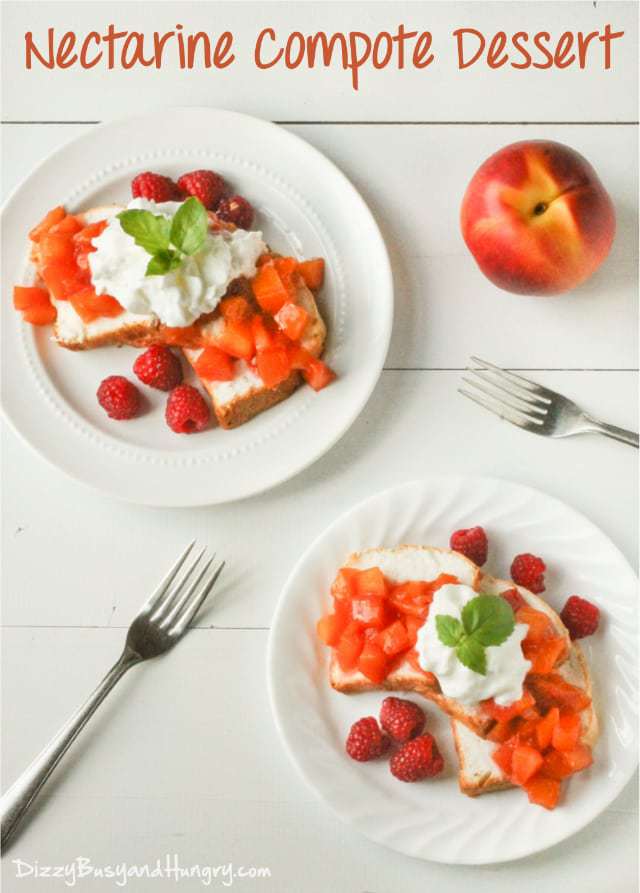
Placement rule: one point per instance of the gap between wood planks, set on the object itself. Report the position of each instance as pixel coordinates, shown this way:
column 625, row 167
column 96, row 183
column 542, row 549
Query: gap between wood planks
column 404, row 123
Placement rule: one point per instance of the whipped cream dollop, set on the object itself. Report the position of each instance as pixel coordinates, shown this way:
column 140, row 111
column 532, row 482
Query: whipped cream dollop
column 506, row 664
column 179, row 297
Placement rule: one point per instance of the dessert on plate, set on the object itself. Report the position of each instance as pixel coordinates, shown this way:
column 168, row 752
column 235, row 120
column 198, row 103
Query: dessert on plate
column 180, row 269
column 492, row 654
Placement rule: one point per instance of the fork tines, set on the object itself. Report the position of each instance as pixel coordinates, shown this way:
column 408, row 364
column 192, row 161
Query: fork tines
column 179, row 597
column 506, row 394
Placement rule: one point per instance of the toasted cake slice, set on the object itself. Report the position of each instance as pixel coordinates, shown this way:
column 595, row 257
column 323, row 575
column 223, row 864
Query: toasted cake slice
column 478, row 774
column 426, row 563
column 242, row 398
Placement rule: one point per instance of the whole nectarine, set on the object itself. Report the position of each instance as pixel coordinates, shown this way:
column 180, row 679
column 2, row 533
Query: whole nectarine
column 537, row 219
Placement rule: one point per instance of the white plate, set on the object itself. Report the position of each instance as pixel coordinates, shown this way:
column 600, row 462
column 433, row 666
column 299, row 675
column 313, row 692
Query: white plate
column 432, row 819
column 306, row 207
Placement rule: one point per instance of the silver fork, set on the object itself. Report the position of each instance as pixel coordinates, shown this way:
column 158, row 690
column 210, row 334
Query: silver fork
column 162, row 621
column 532, row 407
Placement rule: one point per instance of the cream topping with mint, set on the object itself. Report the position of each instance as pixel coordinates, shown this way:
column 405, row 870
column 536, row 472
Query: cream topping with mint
column 175, row 272
column 472, row 645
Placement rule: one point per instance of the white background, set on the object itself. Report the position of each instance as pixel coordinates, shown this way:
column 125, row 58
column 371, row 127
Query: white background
column 184, row 758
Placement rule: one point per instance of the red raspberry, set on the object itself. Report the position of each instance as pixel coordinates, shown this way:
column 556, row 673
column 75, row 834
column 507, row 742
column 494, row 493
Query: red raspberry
column 186, row 410
column 154, row 187
column 207, row 186
column 159, row 368
column 472, row 543
column 401, row 719
column 118, row 397
column 580, row 617
column 419, row 758
column 236, row 210
column 514, row 598
column 528, row 570
column 366, row 740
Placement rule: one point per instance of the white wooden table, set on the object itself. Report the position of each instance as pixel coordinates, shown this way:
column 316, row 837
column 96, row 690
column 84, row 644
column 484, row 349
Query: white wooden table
column 184, row 759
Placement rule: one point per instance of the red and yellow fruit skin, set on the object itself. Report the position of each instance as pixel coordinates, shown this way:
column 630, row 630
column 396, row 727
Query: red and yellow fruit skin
column 537, row 219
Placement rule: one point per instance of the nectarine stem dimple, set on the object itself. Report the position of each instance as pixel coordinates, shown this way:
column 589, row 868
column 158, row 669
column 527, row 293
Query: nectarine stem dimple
column 540, row 208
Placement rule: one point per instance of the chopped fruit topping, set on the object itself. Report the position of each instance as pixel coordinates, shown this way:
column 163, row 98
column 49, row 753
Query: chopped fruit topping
column 63, row 280
column 503, row 714
column 50, row 219
column 43, row 315
column 236, row 309
column 268, row 288
column 417, row 759
column 369, row 610
column 236, row 339
column 56, row 248
column 318, row 375
column 472, row 543
column 402, row 719
column 553, row 691
column 186, row 411
column 207, row 186
column 158, row 368
column 372, row 662
column 312, row 272
column 299, row 357
column 544, row 655
column 543, row 791
column 503, row 756
column 86, row 235
column 330, row 627
column 366, row 740
column 273, row 366
column 26, row 297
column 89, row 306
column 236, row 210
column 68, row 226
column 540, row 627
column 514, row 598
column 119, row 397
column 580, row 617
column 394, row 638
column 545, row 727
column 349, row 647
column 264, row 332
column 503, row 730
column 525, row 762
column 566, row 732
column 561, row 764
column 292, row 320
column 345, row 582
column 528, row 570
column 154, row 187
column 370, row 582
column 214, row 364
column 414, row 597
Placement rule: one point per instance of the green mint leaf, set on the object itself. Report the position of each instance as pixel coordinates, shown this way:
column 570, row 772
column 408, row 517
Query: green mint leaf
column 150, row 232
column 449, row 630
column 189, row 226
column 488, row 620
column 163, row 262
column 472, row 654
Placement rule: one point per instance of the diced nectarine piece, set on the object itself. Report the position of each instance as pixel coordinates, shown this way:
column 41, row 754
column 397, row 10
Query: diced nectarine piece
column 292, row 319
column 43, row 315
column 566, row 733
column 273, row 366
column 344, row 585
column 371, row 581
column 525, row 762
column 554, row 691
column 545, row 727
column 318, row 374
column 372, row 662
column 350, row 646
column 543, row 791
column 54, row 216
column 268, row 288
column 214, row 364
column 25, row 297
column 312, row 271
column 393, row 639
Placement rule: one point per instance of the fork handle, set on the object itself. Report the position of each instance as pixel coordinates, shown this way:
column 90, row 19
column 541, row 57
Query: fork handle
column 630, row 437
column 17, row 801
